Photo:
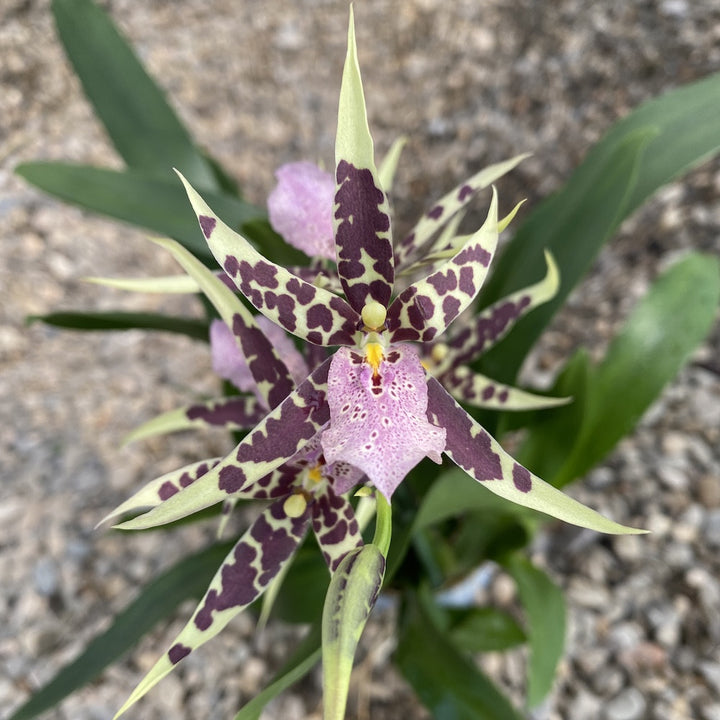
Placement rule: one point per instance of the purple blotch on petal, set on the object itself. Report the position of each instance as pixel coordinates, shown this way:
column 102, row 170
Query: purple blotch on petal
column 177, row 652
column 522, row 478
column 207, row 225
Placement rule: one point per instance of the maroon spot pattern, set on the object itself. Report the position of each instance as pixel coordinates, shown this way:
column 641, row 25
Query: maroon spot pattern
column 207, row 225
column 361, row 220
column 241, row 411
column 522, row 478
column 177, row 652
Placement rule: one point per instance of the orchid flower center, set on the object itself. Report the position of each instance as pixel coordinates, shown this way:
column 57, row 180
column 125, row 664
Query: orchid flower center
column 295, row 505
column 373, row 315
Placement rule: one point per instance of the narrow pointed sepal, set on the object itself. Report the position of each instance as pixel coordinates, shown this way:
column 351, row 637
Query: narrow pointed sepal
column 305, row 310
column 467, row 341
column 162, row 488
column 231, row 413
column 475, row 389
column 272, row 378
column 361, row 215
column 427, row 307
column 256, row 559
column 472, row 448
column 448, row 206
column 279, row 436
column 167, row 284
column 336, row 529
column 351, row 596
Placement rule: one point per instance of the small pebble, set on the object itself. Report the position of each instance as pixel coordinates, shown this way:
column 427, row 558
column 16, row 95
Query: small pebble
column 628, row 705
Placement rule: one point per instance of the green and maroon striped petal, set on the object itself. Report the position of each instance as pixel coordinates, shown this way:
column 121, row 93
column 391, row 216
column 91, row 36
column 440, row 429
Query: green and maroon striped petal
column 427, row 307
column 471, row 447
column 272, row 377
column 256, row 559
column 444, row 209
column 160, row 489
column 361, row 218
column 275, row 440
column 473, row 388
column 305, row 310
column 335, row 526
column 468, row 341
column 232, row 413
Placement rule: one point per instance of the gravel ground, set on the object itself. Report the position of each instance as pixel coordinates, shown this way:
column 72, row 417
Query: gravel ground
column 470, row 83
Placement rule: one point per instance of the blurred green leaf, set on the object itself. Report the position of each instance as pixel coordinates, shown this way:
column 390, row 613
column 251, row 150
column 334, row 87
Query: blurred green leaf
column 445, row 680
column 189, row 578
column 142, row 126
column 156, row 203
column 456, row 493
column 302, row 661
column 304, row 587
column 648, row 148
column 125, row 321
column 655, row 342
column 484, row 629
column 544, row 607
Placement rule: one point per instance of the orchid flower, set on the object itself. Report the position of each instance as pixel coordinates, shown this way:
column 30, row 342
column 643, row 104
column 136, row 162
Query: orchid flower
column 371, row 410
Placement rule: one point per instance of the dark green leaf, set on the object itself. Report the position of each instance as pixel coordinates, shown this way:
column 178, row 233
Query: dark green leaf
column 445, row 680
column 302, row 661
column 303, row 588
column 125, row 321
column 141, row 124
column 156, row 203
column 485, row 629
column 573, row 225
column 656, row 341
column 683, row 130
column 544, row 606
column 187, row 579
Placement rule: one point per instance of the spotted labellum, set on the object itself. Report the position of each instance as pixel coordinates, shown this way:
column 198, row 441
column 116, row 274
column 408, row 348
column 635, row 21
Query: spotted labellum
column 373, row 409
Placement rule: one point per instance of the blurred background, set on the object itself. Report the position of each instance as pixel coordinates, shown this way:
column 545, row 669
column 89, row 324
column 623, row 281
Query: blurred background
column 470, row 83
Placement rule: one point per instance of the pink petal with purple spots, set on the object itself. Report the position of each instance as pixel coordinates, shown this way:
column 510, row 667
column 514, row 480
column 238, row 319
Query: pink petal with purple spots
column 301, row 206
column 379, row 423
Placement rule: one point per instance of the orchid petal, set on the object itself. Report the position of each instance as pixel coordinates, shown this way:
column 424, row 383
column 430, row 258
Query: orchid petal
column 161, row 488
column 473, row 388
column 448, row 205
column 272, row 378
column 255, row 560
column 428, row 306
column 336, row 529
column 388, row 166
column 361, row 215
column 168, row 284
column 467, row 342
column 231, row 413
column 378, row 419
column 307, row 311
column 276, row 439
column 300, row 208
column 471, row 447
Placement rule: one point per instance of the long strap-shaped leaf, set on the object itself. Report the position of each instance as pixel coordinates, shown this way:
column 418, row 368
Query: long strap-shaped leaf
column 476, row 389
column 471, row 447
column 467, row 341
column 282, row 432
column 258, row 557
column 305, row 310
column 448, row 205
column 232, row 413
column 428, row 306
column 362, row 215
column 271, row 375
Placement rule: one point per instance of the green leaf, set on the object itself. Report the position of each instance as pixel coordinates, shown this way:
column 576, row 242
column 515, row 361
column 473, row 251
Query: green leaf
column 657, row 339
column 302, row 661
column 125, row 321
column 142, row 126
column 654, row 144
column 445, row 680
column 485, row 629
column 544, row 606
column 573, row 225
column 456, row 493
column 354, row 587
column 133, row 196
column 158, row 599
